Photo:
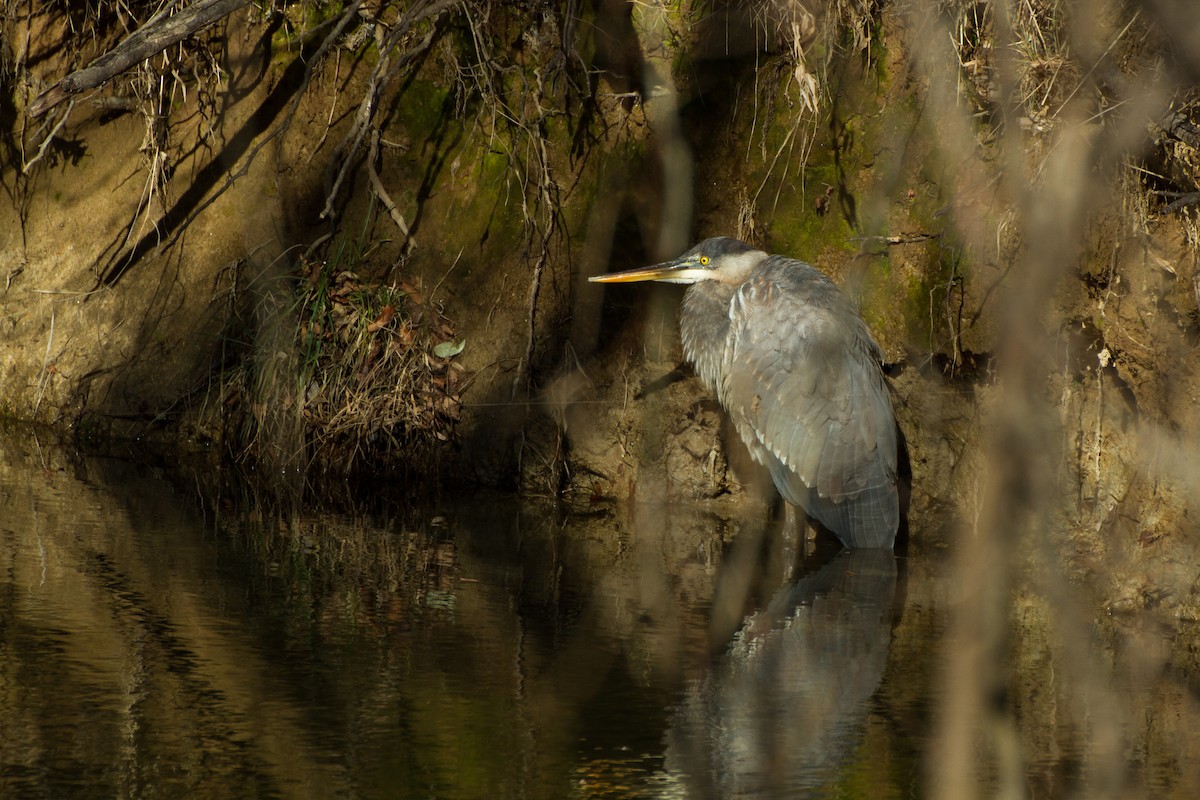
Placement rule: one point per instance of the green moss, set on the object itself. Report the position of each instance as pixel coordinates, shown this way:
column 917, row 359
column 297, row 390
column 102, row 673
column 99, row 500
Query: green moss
column 871, row 171
column 927, row 293
column 812, row 215
column 303, row 24
column 797, row 228
column 658, row 27
column 423, row 109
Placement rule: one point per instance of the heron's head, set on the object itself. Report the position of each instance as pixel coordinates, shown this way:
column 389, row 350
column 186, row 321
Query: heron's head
column 718, row 259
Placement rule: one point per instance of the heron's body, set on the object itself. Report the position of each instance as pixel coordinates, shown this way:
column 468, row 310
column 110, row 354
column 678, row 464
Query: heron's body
column 797, row 370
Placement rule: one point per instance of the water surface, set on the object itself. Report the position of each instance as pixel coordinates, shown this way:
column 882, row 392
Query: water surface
column 162, row 638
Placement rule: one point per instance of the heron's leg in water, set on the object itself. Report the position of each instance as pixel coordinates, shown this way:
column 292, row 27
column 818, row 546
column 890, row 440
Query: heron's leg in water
column 798, row 536
column 793, row 525
column 799, row 520
column 740, row 571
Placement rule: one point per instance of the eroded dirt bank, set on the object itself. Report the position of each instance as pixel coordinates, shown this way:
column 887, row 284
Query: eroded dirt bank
column 415, row 193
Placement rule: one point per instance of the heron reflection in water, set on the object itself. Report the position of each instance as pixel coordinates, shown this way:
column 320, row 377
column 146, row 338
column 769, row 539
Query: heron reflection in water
column 798, row 372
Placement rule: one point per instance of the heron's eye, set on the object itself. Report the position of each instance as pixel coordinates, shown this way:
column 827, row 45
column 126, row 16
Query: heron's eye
column 704, row 261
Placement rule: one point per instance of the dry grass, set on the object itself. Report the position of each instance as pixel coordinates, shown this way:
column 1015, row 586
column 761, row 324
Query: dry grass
column 366, row 385
column 376, row 363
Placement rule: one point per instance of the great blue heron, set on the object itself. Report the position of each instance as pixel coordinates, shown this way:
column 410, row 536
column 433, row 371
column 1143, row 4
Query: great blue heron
column 796, row 369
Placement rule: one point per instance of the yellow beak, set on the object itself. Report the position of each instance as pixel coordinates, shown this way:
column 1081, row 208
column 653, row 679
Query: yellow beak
column 678, row 271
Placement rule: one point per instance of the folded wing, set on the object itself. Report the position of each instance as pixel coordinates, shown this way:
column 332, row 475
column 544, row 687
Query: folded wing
column 803, row 385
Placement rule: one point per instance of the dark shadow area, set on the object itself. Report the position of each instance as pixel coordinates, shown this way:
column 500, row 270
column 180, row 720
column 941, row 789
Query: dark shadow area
column 218, row 169
column 621, row 308
column 904, row 489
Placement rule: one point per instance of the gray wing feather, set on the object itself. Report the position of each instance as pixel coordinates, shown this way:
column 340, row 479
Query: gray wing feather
column 802, row 382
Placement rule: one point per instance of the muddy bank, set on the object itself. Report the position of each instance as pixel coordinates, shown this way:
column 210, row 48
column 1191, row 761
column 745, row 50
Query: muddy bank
column 1002, row 190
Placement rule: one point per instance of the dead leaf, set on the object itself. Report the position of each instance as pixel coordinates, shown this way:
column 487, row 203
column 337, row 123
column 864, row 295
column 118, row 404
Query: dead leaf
column 385, row 316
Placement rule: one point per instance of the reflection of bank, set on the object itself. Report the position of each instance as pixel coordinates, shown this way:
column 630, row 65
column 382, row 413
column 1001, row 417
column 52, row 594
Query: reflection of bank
column 784, row 708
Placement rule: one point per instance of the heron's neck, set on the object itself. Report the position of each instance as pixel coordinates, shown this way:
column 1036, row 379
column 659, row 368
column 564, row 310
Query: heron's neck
column 735, row 270
column 704, row 326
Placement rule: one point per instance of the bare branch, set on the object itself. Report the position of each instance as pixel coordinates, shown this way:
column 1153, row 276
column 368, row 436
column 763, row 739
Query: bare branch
column 153, row 37
column 46, row 142
column 351, row 144
column 382, row 194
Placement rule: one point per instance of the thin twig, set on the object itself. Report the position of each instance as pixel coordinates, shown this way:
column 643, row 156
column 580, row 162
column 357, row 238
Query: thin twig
column 44, row 378
column 383, row 73
column 525, row 368
column 351, row 13
column 903, row 238
column 1184, row 200
column 49, row 138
